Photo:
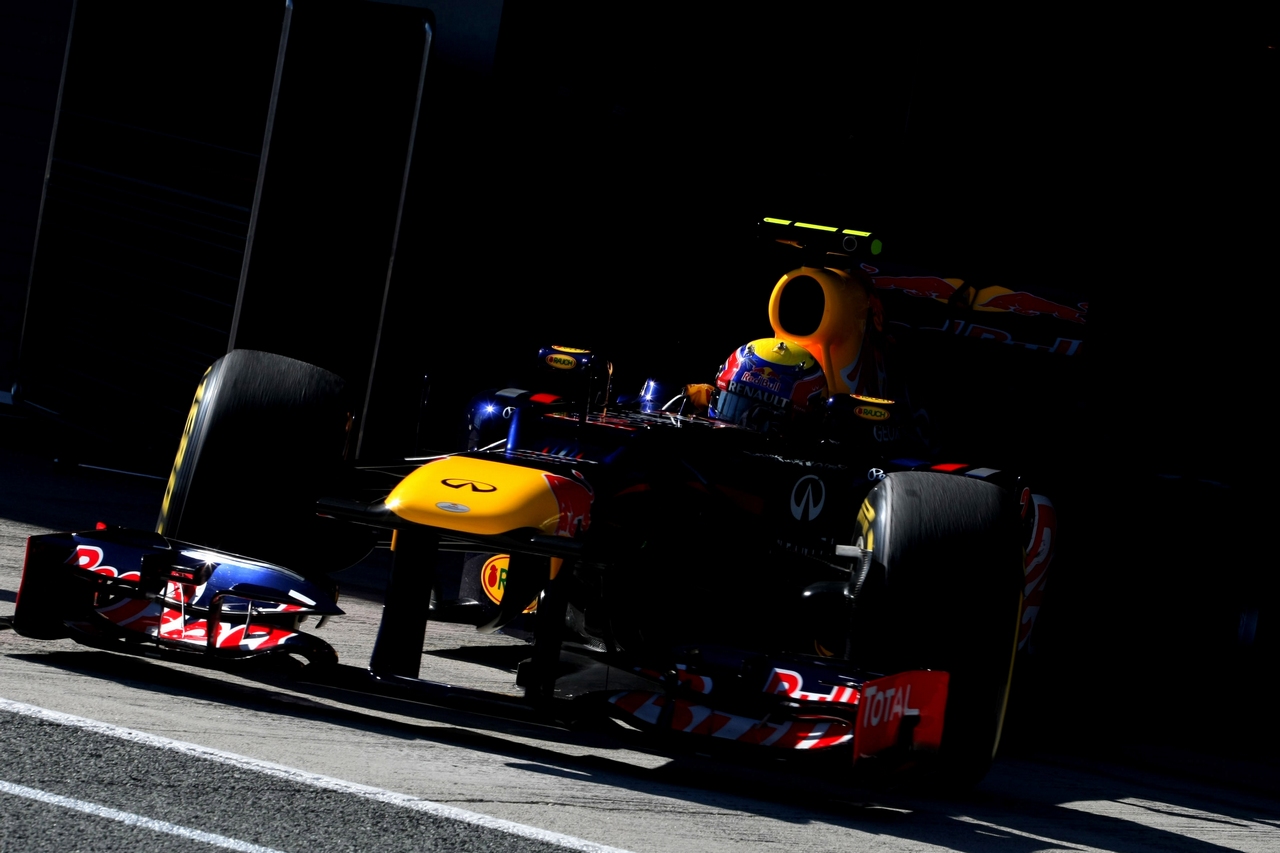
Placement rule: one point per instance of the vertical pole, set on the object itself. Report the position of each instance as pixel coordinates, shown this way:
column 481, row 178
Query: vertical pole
column 262, row 172
column 395, row 238
column 44, row 186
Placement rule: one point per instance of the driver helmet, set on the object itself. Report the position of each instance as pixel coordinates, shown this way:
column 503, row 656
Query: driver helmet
column 766, row 383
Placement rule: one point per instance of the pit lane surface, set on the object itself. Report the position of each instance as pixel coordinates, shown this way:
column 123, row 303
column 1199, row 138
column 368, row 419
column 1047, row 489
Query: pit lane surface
column 586, row 786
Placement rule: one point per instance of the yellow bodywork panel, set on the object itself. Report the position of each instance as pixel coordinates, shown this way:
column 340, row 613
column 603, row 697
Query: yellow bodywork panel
column 476, row 496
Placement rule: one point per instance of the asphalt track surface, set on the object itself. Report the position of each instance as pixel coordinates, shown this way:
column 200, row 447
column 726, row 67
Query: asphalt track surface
column 108, row 752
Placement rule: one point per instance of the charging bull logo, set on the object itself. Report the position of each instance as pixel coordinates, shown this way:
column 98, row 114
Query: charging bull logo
column 809, row 392
column 574, row 497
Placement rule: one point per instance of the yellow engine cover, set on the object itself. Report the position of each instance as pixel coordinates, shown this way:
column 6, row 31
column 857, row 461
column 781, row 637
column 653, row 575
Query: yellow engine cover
column 837, row 342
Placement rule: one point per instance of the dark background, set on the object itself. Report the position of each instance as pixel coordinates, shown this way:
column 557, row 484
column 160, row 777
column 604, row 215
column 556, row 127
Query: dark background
column 591, row 176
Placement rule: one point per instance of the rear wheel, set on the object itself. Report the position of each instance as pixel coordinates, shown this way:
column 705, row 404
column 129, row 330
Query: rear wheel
column 942, row 590
column 266, row 436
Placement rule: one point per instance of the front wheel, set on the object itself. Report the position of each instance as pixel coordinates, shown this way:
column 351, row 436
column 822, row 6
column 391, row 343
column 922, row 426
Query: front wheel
column 265, row 437
column 942, row 590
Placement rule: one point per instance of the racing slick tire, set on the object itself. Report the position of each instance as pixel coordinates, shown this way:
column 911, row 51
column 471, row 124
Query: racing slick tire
column 265, row 437
column 942, row 590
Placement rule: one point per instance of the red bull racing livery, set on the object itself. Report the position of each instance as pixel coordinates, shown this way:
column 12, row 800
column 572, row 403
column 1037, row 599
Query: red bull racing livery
column 816, row 581
column 127, row 590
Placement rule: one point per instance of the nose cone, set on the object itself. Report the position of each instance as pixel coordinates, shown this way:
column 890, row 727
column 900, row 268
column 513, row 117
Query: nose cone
column 476, row 496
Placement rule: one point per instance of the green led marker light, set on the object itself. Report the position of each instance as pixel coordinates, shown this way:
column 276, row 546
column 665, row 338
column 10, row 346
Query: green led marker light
column 876, row 247
column 815, row 227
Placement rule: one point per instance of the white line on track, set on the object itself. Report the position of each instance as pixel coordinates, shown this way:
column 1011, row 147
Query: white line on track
column 304, row 777
column 1005, row 832
column 132, row 819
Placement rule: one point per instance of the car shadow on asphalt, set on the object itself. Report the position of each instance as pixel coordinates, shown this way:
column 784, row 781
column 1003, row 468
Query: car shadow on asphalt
column 1023, row 805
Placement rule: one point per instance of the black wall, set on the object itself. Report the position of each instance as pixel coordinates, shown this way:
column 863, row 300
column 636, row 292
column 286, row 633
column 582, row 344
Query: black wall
column 33, row 40
column 597, row 183
column 145, row 212
column 218, row 177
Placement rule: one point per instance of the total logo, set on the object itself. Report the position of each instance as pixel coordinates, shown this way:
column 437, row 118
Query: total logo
column 885, row 706
column 808, row 496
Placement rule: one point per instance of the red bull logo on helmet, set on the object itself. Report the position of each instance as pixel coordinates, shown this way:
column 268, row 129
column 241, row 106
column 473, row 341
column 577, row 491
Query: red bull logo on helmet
column 764, row 377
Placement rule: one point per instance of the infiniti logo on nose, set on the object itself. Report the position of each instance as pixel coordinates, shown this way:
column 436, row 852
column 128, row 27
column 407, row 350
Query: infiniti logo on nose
column 476, row 485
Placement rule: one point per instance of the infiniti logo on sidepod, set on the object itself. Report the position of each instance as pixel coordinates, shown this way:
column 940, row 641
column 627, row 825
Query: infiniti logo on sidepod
column 807, row 498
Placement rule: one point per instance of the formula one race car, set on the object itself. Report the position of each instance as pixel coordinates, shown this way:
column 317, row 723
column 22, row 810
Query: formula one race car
column 774, row 559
